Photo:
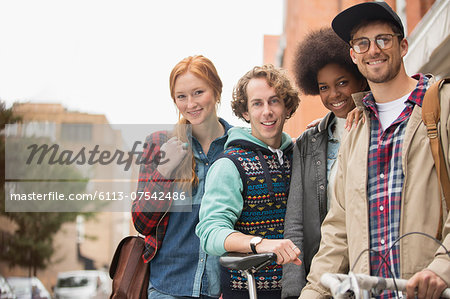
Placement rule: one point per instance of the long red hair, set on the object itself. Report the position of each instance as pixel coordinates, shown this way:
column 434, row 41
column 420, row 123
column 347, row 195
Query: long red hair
column 204, row 69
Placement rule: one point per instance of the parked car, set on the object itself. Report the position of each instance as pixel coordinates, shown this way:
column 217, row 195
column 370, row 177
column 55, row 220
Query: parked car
column 6, row 291
column 83, row 284
column 28, row 288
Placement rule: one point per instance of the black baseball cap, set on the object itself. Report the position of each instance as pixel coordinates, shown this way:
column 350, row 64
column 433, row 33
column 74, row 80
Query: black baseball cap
column 345, row 21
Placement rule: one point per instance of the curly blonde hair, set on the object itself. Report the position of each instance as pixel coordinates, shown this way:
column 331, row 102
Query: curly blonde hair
column 276, row 78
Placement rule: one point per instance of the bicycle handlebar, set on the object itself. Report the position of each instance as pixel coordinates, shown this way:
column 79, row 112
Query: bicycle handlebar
column 340, row 284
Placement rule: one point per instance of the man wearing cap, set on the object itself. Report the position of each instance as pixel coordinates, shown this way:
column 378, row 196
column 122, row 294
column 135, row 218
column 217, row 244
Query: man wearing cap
column 394, row 189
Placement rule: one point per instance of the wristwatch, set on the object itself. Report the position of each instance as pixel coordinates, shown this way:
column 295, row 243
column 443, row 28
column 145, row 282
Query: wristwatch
column 255, row 241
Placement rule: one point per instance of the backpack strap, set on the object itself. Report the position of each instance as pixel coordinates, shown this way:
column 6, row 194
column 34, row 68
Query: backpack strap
column 431, row 111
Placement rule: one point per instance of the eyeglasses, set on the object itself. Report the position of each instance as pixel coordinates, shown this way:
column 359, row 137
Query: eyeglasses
column 383, row 42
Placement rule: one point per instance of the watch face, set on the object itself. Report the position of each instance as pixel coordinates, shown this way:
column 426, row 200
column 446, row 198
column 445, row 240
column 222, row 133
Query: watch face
column 253, row 242
column 256, row 240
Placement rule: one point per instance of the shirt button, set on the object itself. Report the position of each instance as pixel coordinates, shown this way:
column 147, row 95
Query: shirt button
column 322, row 187
column 381, row 208
column 318, row 162
column 313, row 139
column 202, row 260
column 382, row 175
column 206, row 163
column 382, row 241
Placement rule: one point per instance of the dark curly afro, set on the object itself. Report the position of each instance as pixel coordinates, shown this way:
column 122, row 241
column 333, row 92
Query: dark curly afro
column 319, row 48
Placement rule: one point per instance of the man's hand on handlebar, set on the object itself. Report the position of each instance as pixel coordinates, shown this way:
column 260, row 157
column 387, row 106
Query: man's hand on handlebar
column 427, row 284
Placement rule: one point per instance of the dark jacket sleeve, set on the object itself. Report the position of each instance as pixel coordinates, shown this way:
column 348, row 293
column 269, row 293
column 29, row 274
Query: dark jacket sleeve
column 294, row 276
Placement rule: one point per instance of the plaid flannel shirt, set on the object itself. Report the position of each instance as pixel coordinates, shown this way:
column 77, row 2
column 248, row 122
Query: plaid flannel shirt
column 152, row 224
column 385, row 183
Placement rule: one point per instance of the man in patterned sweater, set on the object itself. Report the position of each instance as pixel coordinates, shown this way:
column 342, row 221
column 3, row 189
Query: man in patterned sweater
column 247, row 187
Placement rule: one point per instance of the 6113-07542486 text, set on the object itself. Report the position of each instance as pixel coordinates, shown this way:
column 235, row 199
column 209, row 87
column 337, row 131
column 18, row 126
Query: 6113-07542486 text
column 99, row 195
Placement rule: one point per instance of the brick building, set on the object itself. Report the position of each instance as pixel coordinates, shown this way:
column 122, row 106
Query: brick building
column 427, row 28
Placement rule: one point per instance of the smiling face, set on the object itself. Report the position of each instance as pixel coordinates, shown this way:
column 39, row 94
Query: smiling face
column 266, row 112
column 194, row 99
column 379, row 66
column 336, row 86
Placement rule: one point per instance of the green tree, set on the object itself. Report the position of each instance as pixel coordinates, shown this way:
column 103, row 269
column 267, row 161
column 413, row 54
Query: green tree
column 31, row 244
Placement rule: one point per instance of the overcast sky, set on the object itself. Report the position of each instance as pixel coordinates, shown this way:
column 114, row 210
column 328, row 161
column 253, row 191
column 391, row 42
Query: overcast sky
column 114, row 57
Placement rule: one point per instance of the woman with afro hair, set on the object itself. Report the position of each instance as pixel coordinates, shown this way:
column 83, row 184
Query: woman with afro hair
column 322, row 67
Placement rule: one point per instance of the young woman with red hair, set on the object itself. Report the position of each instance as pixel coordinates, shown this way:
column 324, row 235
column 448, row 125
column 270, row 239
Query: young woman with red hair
column 178, row 266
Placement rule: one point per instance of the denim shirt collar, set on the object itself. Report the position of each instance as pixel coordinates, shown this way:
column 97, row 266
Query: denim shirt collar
column 196, row 144
column 330, row 130
column 223, row 122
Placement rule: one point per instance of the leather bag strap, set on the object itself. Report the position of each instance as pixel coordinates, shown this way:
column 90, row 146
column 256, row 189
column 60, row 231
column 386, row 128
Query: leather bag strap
column 431, row 111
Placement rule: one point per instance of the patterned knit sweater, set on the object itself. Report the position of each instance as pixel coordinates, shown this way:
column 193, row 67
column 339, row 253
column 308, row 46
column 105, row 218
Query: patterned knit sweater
column 265, row 177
